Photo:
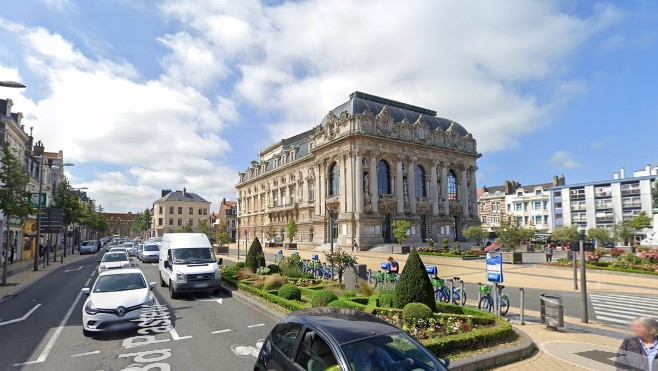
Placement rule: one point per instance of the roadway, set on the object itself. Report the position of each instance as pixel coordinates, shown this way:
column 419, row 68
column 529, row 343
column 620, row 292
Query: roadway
column 40, row 329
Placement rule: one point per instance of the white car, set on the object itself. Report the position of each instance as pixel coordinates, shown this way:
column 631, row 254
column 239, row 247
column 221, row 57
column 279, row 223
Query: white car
column 114, row 260
column 115, row 301
column 651, row 240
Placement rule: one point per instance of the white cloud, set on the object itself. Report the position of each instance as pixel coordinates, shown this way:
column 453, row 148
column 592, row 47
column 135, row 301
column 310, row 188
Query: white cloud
column 465, row 59
column 61, row 5
column 563, row 159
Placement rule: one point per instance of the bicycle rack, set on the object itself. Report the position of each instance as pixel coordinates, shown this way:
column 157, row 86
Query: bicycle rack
column 522, row 314
column 452, row 287
column 462, row 299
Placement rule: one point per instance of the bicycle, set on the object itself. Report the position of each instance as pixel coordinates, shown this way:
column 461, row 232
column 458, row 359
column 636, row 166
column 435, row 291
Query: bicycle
column 487, row 301
column 442, row 292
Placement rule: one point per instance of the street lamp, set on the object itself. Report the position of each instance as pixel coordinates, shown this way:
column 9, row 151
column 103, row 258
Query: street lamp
column 12, row 84
column 332, row 215
column 38, row 152
column 61, row 166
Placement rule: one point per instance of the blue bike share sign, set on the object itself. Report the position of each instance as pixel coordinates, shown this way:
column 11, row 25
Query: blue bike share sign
column 494, row 267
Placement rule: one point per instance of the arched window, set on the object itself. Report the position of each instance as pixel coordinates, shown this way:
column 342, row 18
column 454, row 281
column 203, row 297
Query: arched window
column 383, row 178
column 452, row 185
column 421, row 190
column 334, row 175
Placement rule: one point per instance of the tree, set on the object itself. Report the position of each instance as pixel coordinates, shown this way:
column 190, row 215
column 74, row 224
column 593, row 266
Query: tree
column 511, row 233
column 221, row 236
column 14, row 199
column 270, row 232
column 654, row 193
column 64, row 199
column 141, row 222
column 600, row 235
column 400, row 229
column 204, row 227
column 566, row 234
column 255, row 256
column 186, row 228
column 640, row 221
column 624, row 233
column 292, row 229
column 340, row 261
column 414, row 285
column 476, row 233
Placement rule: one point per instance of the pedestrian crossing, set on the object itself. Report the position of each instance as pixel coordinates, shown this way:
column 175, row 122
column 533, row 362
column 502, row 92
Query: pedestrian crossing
column 621, row 309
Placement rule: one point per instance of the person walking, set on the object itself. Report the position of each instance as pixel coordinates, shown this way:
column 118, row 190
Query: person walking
column 355, row 246
column 639, row 352
column 395, row 267
column 549, row 253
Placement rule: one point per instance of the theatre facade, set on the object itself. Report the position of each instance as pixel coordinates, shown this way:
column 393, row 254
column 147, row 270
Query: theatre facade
column 370, row 161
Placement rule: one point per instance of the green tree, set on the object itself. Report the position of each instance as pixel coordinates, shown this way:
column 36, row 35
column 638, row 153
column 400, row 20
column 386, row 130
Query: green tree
column 221, row 236
column 400, row 229
column 414, row 285
column 255, row 256
column 341, row 261
column 292, row 229
column 13, row 196
column 186, row 228
column 270, row 233
column 640, row 221
column 566, row 234
column 476, row 233
column 511, row 233
column 624, row 233
column 204, row 227
column 600, row 235
column 65, row 199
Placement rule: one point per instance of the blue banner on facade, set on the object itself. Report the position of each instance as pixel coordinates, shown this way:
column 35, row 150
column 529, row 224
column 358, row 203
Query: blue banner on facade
column 494, row 267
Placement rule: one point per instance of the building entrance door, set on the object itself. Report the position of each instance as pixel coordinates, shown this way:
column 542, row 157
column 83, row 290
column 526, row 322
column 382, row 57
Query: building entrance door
column 456, row 229
column 386, row 228
column 423, row 228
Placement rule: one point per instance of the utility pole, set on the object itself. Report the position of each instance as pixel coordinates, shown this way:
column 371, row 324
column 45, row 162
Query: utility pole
column 575, row 266
column 583, row 285
column 38, row 151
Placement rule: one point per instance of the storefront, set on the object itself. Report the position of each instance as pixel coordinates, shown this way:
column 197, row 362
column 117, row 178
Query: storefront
column 29, row 239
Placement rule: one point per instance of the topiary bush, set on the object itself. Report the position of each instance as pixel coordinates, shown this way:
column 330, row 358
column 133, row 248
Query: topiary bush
column 230, row 270
column 322, row 298
column 274, row 268
column 386, row 300
column 348, row 294
column 417, row 314
column 414, row 285
column 290, row 292
column 239, row 265
column 346, row 304
column 255, row 256
column 273, row 282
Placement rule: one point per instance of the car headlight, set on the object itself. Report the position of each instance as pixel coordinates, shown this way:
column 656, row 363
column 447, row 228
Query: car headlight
column 90, row 308
column 180, row 277
column 150, row 300
column 218, row 274
column 102, row 266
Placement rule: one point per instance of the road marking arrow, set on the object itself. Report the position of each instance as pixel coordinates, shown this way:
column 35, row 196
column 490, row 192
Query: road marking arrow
column 74, row 270
column 21, row 318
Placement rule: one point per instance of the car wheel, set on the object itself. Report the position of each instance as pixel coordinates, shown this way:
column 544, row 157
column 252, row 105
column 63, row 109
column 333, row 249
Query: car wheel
column 172, row 292
column 215, row 292
column 86, row 333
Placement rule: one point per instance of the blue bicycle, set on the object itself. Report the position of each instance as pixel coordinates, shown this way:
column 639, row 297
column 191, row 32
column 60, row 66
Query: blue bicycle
column 442, row 292
column 487, row 301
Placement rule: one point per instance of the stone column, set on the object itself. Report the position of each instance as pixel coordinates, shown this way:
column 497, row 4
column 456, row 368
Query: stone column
column 316, row 203
column 374, row 187
column 321, row 185
column 444, row 189
column 411, row 185
column 473, row 191
column 434, row 194
column 463, row 192
column 399, row 186
column 358, row 182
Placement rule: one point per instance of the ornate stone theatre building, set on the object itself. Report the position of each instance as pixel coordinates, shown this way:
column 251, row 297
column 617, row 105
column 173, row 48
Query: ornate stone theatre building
column 372, row 161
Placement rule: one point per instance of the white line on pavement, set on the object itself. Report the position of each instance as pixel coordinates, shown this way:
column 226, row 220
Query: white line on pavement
column 93, row 273
column 24, row 317
column 174, row 335
column 88, row 280
column 86, row 354
column 74, row 270
column 222, row 331
column 53, row 339
column 258, row 325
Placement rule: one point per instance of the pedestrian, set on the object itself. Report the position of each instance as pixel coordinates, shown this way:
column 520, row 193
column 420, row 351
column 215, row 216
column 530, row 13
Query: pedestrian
column 549, row 253
column 41, row 250
column 11, row 253
column 639, row 352
column 355, row 246
column 395, row 267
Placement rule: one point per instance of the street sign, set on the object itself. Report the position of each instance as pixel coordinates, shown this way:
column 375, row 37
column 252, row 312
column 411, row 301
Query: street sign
column 494, row 267
column 52, row 220
column 35, row 196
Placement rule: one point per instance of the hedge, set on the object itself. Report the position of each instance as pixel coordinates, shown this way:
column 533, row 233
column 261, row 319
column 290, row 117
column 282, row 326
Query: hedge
column 448, row 255
column 346, row 304
column 476, row 338
column 288, row 304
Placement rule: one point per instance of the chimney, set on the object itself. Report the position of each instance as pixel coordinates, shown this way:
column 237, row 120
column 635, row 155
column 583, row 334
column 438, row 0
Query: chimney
column 555, row 180
column 224, row 200
column 165, row 192
column 184, row 192
column 615, row 176
column 622, row 173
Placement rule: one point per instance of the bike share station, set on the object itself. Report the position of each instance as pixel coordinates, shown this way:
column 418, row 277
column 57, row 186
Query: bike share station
column 498, row 302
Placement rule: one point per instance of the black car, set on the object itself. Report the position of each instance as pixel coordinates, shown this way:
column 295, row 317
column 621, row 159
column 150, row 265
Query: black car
column 342, row 340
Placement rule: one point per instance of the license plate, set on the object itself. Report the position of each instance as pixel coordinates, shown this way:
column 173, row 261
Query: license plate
column 197, row 285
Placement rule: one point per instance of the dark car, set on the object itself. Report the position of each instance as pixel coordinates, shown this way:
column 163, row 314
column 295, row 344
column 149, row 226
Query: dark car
column 341, row 339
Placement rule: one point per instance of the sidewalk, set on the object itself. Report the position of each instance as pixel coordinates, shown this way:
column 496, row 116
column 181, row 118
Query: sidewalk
column 20, row 274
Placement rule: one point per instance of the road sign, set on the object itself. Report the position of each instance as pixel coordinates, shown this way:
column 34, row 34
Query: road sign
column 35, row 196
column 494, row 267
column 52, row 220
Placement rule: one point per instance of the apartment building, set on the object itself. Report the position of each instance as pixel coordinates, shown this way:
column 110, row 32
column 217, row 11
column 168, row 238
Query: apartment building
column 603, row 203
column 177, row 208
column 228, row 213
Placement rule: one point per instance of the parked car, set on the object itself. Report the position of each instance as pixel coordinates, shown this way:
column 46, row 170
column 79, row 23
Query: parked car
column 149, row 253
column 342, row 339
column 114, row 260
column 115, row 301
column 88, row 247
column 130, row 248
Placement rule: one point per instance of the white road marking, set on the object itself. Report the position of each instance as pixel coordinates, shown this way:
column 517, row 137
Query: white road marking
column 93, row 273
column 23, row 318
column 86, row 354
column 55, row 336
column 88, row 280
column 74, row 270
column 174, row 335
column 222, row 331
column 258, row 325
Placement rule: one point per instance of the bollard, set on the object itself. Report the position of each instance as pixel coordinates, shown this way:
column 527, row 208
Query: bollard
column 479, row 294
column 61, row 257
column 496, row 294
column 462, row 299
column 522, row 314
column 452, row 287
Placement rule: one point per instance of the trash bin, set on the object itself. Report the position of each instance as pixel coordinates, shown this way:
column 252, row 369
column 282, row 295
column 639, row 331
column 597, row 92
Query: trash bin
column 551, row 310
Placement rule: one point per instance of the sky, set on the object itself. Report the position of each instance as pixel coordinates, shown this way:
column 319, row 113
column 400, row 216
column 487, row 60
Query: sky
column 143, row 95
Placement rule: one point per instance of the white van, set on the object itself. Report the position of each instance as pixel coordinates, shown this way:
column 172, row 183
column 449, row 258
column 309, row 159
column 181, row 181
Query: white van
column 187, row 264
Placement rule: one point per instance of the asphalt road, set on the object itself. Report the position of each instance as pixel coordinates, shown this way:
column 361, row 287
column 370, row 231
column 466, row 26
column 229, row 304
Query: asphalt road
column 40, row 329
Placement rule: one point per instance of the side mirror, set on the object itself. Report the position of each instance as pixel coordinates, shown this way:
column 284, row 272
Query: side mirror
column 86, row 290
column 152, row 285
column 166, row 263
column 446, row 362
column 220, row 261
column 98, row 261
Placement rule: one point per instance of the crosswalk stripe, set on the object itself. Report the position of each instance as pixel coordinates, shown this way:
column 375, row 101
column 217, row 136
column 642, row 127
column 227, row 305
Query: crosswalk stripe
column 613, row 320
column 632, row 306
column 622, row 309
column 638, row 299
column 628, row 313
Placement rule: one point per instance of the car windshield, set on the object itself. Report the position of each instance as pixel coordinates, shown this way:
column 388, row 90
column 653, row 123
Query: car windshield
column 115, row 257
column 192, row 255
column 151, row 248
column 120, row 282
column 388, row 352
column 88, row 243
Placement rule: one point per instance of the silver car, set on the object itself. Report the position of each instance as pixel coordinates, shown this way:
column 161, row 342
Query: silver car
column 150, row 253
column 88, row 247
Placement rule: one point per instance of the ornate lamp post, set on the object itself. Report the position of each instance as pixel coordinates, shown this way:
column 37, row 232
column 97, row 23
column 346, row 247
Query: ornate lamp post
column 38, row 152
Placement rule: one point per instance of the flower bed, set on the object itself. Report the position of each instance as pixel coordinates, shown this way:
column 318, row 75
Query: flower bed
column 455, row 253
column 645, row 262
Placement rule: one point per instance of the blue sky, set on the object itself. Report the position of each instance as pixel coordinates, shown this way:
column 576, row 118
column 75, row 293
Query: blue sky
column 144, row 95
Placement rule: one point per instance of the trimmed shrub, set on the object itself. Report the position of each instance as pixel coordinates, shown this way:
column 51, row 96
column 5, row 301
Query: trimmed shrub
column 348, row 294
column 239, row 265
column 290, row 292
column 363, row 301
column 291, row 267
column 414, row 285
column 346, row 304
column 416, row 313
column 244, row 273
column 230, row 270
column 274, row 268
column 322, row 298
column 273, row 282
column 255, row 256
column 386, row 300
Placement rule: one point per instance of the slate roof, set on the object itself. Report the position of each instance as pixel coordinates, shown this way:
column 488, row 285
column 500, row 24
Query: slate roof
column 178, row 196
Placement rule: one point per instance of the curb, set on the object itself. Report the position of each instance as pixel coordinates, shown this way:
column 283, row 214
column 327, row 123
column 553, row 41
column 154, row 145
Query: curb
column 20, row 289
column 499, row 357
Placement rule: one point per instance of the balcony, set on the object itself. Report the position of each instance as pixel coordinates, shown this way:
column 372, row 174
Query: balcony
column 631, row 205
column 579, row 208
column 603, row 194
column 577, row 196
column 605, row 219
column 629, row 192
column 603, row 206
